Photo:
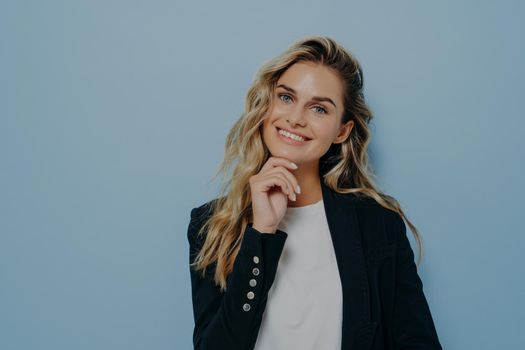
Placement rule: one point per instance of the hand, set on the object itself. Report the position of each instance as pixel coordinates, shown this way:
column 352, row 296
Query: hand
column 270, row 190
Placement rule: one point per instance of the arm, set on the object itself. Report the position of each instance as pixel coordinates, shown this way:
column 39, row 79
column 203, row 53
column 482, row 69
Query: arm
column 230, row 320
column 413, row 325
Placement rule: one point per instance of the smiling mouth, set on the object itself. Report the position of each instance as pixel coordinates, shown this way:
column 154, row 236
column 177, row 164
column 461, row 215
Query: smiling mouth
column 292, row 136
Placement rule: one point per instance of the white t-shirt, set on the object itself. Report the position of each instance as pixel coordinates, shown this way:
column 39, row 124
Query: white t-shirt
column 304, row 308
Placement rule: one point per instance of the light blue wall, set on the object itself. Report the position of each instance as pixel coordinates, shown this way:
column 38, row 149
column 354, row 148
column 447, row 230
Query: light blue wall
column 113, row 119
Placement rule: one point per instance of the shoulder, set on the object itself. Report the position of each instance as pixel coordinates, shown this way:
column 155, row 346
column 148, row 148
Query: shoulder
column 372, row 213
column 202, row 211
column 198, row 216
column 369, row 206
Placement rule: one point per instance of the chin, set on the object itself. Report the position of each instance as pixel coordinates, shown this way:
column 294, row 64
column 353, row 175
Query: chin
column 282, row 154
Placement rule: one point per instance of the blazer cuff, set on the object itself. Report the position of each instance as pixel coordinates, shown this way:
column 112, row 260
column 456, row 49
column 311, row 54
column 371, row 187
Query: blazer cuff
column 257, row 259
column 272, row 245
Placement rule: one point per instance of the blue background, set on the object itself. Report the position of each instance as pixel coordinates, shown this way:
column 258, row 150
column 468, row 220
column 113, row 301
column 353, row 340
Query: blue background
column 113, row 120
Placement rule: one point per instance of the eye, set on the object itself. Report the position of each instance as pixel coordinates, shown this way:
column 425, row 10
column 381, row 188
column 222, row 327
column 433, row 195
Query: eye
column 284, row 95
column 321, row 108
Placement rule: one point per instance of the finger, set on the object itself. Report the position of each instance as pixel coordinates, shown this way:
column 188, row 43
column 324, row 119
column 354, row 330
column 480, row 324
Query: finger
column 278, row 161
column 291, row 178
column 289, row 186
column 267, row 182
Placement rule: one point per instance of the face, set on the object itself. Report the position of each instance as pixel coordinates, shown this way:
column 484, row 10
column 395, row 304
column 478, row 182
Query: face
column 308, row 103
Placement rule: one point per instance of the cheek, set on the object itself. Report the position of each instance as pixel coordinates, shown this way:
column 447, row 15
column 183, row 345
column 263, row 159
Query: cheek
column 278, row 111
column 267, row 123
column 266, row 128
column 324, row 131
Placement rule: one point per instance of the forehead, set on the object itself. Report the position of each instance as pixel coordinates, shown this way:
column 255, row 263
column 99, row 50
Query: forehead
column 313, row 79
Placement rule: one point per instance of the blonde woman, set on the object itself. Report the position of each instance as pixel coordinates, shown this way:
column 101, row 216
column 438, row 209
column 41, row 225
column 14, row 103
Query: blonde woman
column 301, row 250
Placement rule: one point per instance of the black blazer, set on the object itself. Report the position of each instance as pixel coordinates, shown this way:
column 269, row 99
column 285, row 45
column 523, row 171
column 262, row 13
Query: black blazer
column 384, row 306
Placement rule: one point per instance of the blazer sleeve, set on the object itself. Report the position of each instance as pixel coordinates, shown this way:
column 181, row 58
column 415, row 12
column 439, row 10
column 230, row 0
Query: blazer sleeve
column 231, row 319
column 413, row 326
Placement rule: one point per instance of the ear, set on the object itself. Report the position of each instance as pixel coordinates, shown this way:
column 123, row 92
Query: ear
column 344, row 132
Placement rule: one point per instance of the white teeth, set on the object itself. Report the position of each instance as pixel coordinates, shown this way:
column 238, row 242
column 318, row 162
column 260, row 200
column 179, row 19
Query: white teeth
column 291, row 136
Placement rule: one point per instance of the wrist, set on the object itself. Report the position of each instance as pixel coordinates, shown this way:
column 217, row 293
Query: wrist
column 264, row 229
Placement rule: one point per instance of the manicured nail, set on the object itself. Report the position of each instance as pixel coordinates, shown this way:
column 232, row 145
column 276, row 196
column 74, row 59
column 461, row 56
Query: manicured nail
column 298, row 189
column 294, row 165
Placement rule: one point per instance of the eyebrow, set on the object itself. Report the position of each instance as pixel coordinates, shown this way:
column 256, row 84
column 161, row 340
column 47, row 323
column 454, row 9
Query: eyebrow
column 315, row 98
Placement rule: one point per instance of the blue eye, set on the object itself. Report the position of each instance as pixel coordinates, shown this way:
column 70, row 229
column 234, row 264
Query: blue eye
column 324, row 110
column 283, row 95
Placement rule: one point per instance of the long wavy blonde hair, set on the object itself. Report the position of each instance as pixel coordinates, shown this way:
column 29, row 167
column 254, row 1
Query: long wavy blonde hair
column 344, row 168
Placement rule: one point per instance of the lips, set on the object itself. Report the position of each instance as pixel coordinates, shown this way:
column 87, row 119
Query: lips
column 296, row 133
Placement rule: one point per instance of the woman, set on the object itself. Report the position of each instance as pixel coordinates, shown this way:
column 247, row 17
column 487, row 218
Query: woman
column 346, row 277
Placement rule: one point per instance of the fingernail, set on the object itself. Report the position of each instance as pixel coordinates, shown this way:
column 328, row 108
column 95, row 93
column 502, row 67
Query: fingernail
column 294, row 198
column 298, row 189
column 294, row 165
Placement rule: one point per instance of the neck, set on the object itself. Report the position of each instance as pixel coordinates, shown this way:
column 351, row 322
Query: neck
column 308, row 178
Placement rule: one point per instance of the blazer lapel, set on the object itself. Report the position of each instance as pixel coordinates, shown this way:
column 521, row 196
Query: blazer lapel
column 343, row 222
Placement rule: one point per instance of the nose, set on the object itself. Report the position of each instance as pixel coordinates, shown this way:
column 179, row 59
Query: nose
column 296, row 117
